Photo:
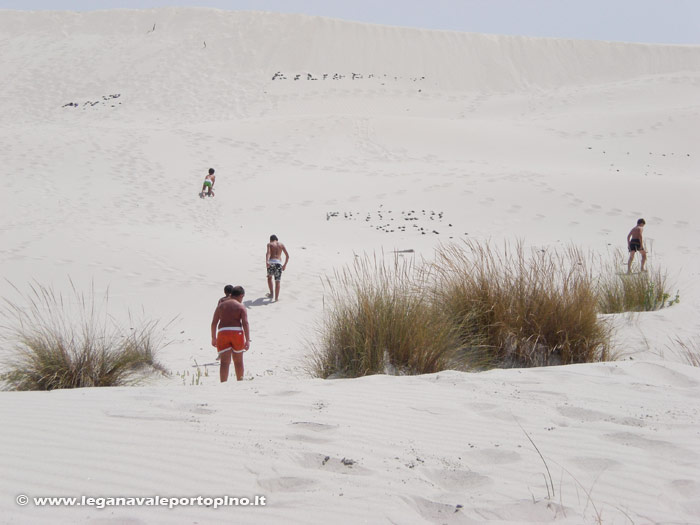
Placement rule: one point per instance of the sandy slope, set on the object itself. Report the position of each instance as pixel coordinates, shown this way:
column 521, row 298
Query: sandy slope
column 478, row 136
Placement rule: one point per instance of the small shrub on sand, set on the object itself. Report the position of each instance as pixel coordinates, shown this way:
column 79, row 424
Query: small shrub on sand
column 53, row 342
column 635, row 292
column 531, row 309
column 378, row 320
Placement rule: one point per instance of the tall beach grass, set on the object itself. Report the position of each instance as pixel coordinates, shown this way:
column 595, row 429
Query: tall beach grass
column 51, row 341
column 474, row 307
column 634, row 292
column 378, row 320
column 527, row 308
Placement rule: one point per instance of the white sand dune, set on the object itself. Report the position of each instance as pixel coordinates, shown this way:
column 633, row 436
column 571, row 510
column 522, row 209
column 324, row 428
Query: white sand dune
column 328, row 133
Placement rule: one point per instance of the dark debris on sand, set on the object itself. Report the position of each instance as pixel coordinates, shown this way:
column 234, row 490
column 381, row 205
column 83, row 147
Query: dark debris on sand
column 421, row 222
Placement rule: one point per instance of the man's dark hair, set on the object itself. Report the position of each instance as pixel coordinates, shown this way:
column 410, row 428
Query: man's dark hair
column 211, row 171
column 273, row 238
column 237, row 291
column 640, row 222
column 228, row 289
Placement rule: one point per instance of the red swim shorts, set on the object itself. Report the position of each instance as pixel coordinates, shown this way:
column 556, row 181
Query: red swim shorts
column 230, row 339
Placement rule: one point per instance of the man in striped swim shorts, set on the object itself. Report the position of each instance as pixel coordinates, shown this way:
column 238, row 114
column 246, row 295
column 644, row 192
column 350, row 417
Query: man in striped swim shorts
column 230, row 333
column 273, row 261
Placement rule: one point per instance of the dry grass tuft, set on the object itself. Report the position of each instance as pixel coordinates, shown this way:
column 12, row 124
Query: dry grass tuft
column 526, row 309
column 54, row 342
column 377, row 320
column 636, row 292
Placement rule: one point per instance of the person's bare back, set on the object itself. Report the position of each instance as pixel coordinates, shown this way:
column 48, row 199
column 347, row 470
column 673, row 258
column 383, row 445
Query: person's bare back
column 231, row 313
column 275, row 249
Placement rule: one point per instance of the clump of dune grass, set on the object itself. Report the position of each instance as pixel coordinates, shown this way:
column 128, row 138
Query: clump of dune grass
column 379, row 320
column 525, row 309
column 634, row 292
column 52, row 342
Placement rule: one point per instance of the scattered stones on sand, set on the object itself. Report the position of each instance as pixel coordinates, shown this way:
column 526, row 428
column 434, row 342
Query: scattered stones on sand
column 421, row 221
column 107, row 100
column 279, row 75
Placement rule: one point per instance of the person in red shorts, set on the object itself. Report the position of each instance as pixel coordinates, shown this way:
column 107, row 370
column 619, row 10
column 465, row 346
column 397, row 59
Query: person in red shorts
column 230, row 333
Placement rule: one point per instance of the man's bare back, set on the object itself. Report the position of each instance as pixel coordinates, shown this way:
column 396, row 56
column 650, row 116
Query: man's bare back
column 275, row 249
column 230, row 313
column 636, row 233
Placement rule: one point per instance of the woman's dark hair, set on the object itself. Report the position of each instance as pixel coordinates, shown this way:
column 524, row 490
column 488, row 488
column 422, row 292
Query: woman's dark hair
column 211, row 171
column 228, row 289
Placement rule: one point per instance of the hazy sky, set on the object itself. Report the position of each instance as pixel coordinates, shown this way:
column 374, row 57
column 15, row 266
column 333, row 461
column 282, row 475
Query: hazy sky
column 661, row 21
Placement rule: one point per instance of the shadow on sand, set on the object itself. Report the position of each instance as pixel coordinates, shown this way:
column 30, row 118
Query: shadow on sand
column 260, row 301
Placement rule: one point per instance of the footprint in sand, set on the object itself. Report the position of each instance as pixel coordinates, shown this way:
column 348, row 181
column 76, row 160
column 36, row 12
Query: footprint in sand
column 304, row 438
column 495, row 457
column 336, row 465
column 594, row 464
column 457, row 480
column 686, row 487
column 662, row 449
column 586, row 415
column 315, row 427
column 434, row 512
column 287, row 484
